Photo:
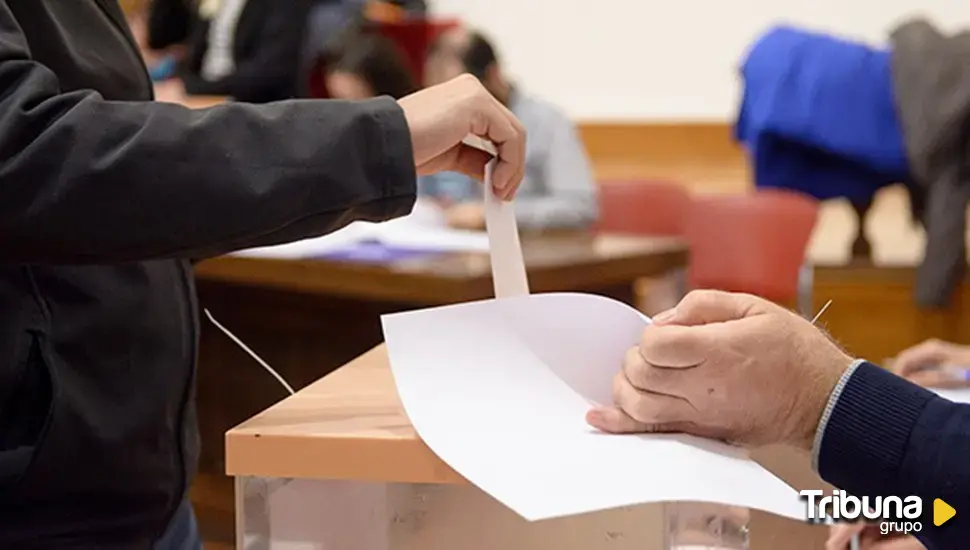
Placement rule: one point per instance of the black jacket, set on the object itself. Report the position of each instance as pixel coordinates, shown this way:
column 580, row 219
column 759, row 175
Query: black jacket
column 267, row 47
column 102, row 195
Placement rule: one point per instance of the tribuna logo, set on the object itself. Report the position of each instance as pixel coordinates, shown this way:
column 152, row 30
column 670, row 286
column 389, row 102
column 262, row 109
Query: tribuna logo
column 842, row 506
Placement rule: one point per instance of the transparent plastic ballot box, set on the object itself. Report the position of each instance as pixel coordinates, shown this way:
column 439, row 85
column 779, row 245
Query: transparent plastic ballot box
column 337, row 466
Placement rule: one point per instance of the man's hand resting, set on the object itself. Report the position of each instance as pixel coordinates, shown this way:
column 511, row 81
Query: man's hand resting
column 726, row 366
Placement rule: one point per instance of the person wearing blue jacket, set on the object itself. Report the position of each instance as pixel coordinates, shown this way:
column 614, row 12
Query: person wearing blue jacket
column 741, row 369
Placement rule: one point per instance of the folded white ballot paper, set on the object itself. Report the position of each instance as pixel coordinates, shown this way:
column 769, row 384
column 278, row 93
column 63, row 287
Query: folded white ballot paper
column 499, row 389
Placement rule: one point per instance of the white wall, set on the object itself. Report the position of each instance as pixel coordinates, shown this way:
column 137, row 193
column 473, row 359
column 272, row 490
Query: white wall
column 673, row 60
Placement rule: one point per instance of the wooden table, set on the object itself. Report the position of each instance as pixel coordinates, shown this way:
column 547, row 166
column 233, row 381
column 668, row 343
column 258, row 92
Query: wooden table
column 339, row 462
column 308, row 317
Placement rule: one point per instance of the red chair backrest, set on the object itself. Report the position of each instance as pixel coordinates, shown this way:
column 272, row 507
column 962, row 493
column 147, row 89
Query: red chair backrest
column 753, row 243
column 653, row 208
column 415, row 37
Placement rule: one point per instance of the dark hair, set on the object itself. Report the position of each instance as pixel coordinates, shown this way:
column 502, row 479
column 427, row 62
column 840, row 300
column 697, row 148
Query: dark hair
column 479, row 56
column 377, row 60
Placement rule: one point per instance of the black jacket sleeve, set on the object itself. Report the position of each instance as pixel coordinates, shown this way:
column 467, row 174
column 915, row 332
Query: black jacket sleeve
column 273, row 64
column 170, row 23
column 86, row 180
column 888, row 437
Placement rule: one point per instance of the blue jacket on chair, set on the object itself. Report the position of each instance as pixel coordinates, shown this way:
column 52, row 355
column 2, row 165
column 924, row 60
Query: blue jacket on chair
column 818, row 116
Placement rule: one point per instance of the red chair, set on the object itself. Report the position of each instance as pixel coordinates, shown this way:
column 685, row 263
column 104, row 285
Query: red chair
column 752, row 243
column 654, row 208
column 414, row 37
column 650, row 208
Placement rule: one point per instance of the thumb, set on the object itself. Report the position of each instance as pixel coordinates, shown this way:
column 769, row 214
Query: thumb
column 614, row 420
column 702, row 307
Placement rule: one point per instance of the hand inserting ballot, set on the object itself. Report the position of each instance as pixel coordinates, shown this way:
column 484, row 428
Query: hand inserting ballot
column 440, row 118
column 726, row 366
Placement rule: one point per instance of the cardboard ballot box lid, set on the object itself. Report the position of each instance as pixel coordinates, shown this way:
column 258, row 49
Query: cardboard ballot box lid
column 348, row 425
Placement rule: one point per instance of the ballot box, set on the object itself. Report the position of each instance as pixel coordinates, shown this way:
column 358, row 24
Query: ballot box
column 337, row 466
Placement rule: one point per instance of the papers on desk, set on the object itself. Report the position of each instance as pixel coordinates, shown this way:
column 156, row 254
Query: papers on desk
column 423, row 230
column 961, row 395
column 499, row 389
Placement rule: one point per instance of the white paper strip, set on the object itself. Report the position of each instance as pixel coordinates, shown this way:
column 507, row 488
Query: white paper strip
column 508, row 267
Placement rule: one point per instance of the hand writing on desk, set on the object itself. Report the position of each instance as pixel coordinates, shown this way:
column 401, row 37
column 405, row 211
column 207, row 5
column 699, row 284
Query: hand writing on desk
column 935, row 363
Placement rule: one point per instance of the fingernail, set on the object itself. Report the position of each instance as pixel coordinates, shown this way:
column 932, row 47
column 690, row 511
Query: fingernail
column 665, row 316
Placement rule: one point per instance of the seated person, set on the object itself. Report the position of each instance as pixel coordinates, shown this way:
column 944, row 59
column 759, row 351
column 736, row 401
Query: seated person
column 367, row 65
column 558, row 191
column 246, row 49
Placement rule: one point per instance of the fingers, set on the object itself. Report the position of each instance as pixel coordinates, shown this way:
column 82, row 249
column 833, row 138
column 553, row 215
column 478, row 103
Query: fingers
column 510, row 168
column 615, row 421
column 841, row 535
column 702, row 307
column 462, row 158
column 674, row 346
column 498, row 125
column 637, row 411
column 903, row 543
column 649, row 407
column 938, row 378
column 921, row 356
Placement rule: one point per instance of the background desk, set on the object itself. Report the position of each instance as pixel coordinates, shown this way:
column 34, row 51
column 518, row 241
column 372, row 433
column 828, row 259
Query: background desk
column 308, row 317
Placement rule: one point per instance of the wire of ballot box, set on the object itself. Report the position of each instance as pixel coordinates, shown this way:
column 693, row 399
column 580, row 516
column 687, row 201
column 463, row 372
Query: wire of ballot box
column 286, row 384
column 251, row 353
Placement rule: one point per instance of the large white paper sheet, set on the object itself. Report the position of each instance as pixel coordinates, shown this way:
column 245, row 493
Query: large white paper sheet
column 499, row 390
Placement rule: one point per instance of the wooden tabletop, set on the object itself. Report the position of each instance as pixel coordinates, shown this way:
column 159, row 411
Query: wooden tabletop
column 553, row 262
column 344, row 426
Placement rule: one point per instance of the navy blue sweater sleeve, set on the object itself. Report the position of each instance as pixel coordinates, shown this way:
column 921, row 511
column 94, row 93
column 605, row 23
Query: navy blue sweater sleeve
column 889, row 437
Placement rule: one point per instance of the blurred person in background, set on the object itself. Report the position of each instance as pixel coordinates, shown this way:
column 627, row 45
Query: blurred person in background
column 367, row 65
column 245, row 49
column 329, row 19
column 558, row 191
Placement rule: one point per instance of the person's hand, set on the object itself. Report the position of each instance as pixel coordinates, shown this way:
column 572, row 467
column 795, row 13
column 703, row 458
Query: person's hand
column 441, row 116
column 935, row 364
column 726, row 366
column 840, row 537
column 466, row 215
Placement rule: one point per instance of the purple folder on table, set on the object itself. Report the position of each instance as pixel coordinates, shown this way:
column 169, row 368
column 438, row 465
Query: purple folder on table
column 376, row 252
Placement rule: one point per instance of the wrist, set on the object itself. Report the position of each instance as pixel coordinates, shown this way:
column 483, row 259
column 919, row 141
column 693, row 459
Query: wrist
column 814, row 444
column 820, row 397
